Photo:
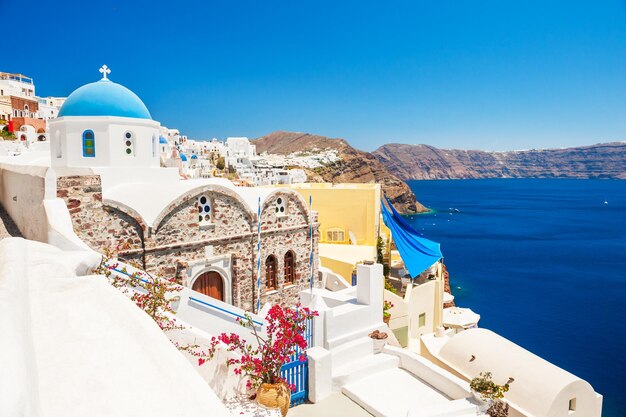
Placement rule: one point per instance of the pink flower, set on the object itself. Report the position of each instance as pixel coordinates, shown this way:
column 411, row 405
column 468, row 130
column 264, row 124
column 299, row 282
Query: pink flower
column 283, row 338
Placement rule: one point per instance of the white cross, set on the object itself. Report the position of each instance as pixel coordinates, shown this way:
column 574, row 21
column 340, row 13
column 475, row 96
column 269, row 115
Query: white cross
column 105, row 70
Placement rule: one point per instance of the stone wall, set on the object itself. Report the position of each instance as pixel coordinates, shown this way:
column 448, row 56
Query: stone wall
column 177, row 239
column 100, row 226
column 180, row 239
column 281, row 233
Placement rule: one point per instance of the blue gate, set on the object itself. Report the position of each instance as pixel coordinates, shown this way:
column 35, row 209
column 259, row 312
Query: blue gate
column 296, row 372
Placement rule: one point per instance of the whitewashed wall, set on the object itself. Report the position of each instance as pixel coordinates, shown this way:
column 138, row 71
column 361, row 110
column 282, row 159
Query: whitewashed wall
column 66, row 137
column 22, row 191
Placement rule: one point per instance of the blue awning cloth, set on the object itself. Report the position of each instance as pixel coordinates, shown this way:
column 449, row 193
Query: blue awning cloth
column 417, row 252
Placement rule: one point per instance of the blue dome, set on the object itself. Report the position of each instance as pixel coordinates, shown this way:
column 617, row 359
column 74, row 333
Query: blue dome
column 183, row 157
column 163, row 141
column 104, row 98
column 194, row 156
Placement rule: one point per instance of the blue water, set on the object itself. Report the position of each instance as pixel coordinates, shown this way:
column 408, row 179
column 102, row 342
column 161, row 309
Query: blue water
column 544, row 263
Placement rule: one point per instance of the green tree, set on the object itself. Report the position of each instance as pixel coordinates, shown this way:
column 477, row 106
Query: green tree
column 221, row 163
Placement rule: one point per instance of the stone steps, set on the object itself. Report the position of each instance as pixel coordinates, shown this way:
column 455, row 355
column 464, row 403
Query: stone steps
column 361, row 368
column 398, row 393
column 352, row 350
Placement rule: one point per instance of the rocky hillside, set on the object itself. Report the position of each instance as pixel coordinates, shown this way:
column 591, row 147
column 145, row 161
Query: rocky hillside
column 354, row 165
column 606, row 160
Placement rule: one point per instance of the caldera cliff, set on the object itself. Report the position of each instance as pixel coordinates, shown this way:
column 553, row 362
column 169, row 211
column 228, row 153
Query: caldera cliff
column 416, row 162
column 353, row 165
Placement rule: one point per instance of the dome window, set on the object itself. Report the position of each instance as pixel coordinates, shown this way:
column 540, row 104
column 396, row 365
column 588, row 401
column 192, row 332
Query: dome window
column 205, row 210
column 129, row 144
column 89, row 144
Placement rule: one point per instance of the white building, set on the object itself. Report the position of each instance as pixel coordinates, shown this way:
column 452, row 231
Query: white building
column 49, row 107
column 241, row 147
column 104, row 124
column 539, row 389
column 16, row 85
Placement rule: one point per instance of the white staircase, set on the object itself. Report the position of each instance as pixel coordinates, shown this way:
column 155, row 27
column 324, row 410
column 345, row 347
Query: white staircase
column 378, row 384
column 398, row 393
column 355, row 359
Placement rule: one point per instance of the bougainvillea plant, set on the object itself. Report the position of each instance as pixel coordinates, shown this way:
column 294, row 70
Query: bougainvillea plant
column 154, row 296
column 282, row 340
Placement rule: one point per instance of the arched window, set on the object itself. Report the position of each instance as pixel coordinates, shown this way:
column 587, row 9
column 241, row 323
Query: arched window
column 154, row 146
column 290, row 268
column 89, row 144
column 205, row 210
column 129, row 144
column 270, row 273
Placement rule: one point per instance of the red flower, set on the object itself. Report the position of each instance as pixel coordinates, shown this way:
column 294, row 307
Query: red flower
column 283, row 341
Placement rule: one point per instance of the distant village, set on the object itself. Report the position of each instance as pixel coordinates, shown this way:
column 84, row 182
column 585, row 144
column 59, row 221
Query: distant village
column 24, row 117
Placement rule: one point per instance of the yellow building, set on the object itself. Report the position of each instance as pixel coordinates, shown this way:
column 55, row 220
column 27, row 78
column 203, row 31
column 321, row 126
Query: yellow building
column 350, row 223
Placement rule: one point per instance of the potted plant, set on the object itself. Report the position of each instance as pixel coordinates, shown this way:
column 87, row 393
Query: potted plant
column 282, row 339
column 387, row 305
column 486, row 391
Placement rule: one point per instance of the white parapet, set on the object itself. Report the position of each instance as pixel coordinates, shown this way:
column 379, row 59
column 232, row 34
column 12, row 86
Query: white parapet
column 76, row 346
column 320, row 373
column 370, row 284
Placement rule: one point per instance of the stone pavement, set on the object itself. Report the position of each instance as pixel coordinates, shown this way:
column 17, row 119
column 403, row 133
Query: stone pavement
column 337, row 405
column 7, row 226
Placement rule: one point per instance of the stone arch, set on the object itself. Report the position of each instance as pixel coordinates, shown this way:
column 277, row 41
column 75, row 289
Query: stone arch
column 129, row 230
column 129, row 211
column 222, row 264
column 194, row 193
column 293, row 195
column 226, row 276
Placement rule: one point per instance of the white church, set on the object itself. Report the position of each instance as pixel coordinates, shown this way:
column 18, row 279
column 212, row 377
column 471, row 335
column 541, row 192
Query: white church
column 104, row 124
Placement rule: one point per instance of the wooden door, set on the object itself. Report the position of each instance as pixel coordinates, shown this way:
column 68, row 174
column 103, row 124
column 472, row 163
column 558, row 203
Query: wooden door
column 211, row 284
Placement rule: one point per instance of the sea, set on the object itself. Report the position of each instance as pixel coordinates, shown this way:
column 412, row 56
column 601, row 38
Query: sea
column 543, row 261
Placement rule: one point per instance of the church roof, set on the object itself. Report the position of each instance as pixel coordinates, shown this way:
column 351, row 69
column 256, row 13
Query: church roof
column 163, row 141
column 150, row 198
column 183, row 157
column 194, row 156
column 104, row 98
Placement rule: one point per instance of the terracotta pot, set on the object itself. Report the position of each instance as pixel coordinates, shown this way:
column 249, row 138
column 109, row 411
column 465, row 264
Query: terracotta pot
column 274, row 396
column 386, row 319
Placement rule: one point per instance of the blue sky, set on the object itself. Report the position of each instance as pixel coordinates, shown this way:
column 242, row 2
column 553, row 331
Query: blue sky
column 493, row 75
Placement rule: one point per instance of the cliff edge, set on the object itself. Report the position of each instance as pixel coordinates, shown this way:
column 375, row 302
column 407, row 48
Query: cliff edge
column 417, row 162
column 353, row 165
